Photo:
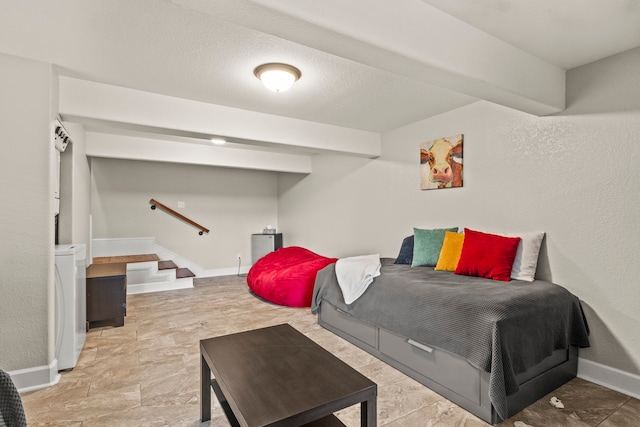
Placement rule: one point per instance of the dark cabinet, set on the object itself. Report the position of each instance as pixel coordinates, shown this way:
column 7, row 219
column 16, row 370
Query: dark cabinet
column 106, row 294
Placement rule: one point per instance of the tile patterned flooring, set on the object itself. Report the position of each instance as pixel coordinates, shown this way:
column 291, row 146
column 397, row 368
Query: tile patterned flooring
column 146, row 373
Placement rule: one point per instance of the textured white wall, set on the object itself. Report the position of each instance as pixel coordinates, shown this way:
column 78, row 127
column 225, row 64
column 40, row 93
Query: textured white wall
column 26, row 227
column 574, row 176
column 232, row 203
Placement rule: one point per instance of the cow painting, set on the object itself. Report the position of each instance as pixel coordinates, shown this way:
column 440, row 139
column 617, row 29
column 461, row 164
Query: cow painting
column 441, row 163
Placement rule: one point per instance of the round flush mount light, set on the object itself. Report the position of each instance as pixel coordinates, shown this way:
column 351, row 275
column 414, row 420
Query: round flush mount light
column 276, row 76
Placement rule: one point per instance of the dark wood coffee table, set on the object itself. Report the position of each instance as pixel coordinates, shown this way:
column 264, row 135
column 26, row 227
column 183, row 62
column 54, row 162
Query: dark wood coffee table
column 276, row 376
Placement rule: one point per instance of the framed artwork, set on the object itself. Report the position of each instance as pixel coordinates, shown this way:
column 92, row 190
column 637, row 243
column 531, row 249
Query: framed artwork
column 441, row 163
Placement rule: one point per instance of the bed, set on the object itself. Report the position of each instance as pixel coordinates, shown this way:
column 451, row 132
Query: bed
column 491, row 347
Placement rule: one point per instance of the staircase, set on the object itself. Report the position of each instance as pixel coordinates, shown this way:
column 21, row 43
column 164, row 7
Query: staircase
column 181, row 273
column 147, row 273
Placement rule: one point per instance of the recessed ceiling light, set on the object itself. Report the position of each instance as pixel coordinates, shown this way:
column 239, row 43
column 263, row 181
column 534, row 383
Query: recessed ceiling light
column 218, row 141
column 276, row 76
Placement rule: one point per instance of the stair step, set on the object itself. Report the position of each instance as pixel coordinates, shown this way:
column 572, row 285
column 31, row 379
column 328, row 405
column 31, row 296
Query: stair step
column 126, row 258
column 166, row 265
column 182, row 273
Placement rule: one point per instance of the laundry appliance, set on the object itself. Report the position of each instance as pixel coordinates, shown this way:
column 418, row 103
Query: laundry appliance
column 71, row 303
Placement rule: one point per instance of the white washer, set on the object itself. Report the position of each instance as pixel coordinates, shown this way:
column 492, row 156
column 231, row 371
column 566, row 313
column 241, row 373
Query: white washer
column 71, row 304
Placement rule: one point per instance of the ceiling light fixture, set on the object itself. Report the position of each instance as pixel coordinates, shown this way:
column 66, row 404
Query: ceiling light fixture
column 218, row 141
column 277, row 77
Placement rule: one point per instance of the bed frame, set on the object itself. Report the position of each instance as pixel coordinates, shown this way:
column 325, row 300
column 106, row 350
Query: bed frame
column 448, row 374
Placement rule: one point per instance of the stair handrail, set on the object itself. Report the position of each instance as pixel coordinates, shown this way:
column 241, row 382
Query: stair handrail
column 155, row 203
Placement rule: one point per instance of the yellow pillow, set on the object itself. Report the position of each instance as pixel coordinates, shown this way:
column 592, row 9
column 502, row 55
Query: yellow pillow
column 450, row 252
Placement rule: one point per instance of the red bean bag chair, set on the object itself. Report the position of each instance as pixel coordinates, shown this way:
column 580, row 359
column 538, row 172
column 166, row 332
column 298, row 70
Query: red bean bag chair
column 286, row 276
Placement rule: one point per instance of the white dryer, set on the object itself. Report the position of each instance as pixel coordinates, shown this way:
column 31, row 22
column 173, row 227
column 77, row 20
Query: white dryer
column 71, row 304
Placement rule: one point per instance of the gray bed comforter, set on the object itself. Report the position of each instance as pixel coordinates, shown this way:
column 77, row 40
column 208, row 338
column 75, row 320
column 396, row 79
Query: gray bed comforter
column 503, row 328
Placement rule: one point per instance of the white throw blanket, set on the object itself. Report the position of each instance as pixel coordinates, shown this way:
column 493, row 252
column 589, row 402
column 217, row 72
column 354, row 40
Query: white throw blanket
column 355, row 274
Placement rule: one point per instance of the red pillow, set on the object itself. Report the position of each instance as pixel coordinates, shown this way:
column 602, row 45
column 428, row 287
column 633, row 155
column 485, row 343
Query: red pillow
column 487, row 255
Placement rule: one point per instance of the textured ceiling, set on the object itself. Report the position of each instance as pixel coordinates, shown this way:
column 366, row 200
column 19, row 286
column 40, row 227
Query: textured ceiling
column 567, row 33
column 206, row 50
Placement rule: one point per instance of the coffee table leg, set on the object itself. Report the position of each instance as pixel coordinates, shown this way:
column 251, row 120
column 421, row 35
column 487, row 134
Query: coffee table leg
column 205, row 390
column 368, row 416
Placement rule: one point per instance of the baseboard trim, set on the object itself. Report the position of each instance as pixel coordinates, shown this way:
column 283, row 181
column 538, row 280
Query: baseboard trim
column 230, row 271
column 197, row 269
column 30, row 379
column 613, row 378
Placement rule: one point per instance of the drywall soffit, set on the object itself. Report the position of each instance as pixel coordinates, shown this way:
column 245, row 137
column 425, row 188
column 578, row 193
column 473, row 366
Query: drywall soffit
column 124, row 108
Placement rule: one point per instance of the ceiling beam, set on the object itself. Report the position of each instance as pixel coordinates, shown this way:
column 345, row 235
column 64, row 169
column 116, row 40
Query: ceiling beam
column 84, row 100
column 416, row 40
column 126, row 147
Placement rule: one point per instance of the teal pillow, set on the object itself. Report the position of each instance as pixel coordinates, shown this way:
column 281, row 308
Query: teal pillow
column 427, row 245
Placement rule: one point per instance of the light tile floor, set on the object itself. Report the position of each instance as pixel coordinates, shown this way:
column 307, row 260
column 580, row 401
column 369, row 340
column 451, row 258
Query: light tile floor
column 146, row 373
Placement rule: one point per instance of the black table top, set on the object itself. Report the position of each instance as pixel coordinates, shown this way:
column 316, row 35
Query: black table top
column 277, row 374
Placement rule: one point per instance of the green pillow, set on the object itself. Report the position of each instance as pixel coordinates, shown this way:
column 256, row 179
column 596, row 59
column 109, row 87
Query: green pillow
column 427, row 245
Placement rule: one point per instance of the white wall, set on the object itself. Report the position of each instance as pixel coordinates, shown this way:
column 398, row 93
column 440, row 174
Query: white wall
column 232, row 203
column 574, row 176
column 26, row 228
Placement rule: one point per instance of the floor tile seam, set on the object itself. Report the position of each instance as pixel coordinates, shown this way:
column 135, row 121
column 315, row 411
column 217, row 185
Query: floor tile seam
column 629, row 399
column 439, row 399
column 404, row 415
column 614, row 411
column 115, row 390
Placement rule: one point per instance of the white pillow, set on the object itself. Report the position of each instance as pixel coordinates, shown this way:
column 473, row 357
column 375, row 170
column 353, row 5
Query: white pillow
column 524, row 266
